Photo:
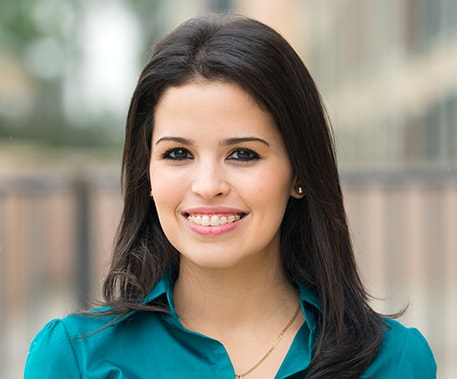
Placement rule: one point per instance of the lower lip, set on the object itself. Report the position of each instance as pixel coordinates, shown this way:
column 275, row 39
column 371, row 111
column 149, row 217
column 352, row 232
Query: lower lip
column 212, row 230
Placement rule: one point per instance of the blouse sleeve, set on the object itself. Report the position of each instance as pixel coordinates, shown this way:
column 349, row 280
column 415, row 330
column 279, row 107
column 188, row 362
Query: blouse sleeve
column 51, row 354
column 417, row 361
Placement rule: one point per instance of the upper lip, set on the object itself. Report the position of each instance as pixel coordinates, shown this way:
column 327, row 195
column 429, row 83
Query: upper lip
column 213, row 211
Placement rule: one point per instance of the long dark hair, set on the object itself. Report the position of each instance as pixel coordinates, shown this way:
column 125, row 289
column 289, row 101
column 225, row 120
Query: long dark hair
column 315, row 242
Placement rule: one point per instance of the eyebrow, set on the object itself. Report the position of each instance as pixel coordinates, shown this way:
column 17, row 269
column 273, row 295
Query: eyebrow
column 226, row 142
column 184, row 141
column 237, row 140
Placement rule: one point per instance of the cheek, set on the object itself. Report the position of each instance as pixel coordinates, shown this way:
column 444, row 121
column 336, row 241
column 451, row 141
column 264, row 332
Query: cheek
column 165, row 189
column 270, row 188
column 161, row 178
column 278, row 178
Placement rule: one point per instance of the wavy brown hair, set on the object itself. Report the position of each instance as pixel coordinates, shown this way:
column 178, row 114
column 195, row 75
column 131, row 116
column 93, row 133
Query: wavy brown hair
column 315, row 242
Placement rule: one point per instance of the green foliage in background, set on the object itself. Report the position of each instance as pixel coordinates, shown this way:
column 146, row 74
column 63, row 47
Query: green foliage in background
column 32, row 91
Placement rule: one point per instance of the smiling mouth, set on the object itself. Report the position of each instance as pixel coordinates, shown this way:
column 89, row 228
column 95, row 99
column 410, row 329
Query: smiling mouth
column 214, row 220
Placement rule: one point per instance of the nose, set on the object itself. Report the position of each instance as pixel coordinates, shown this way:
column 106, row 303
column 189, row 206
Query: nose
column 209, row 180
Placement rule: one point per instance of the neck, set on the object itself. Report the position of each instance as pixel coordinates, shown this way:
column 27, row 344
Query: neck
column 245, row 309
column 227, row 298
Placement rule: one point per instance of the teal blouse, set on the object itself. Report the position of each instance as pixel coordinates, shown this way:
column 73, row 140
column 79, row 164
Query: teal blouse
column 156, row 345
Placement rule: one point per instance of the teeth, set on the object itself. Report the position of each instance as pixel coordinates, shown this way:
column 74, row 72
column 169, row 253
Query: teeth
column 213, row 220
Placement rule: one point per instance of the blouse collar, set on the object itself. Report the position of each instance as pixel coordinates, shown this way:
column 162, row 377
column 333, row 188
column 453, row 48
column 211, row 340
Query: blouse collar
column 309, row 300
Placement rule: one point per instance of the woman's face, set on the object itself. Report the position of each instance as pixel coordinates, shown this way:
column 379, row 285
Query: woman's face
column 220, row 175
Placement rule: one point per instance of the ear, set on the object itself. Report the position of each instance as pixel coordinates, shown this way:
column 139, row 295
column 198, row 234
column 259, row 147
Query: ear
column 297, row 191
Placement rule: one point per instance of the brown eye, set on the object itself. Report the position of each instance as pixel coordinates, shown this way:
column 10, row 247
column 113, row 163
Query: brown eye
column 244, row 155
column 177, row 154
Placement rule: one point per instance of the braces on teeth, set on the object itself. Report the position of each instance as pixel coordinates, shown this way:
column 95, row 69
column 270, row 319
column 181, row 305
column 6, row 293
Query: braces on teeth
column 214, row 220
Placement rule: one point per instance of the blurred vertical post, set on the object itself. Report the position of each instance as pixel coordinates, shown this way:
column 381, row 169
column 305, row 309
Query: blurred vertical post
column 3, row 304
column 81, row 190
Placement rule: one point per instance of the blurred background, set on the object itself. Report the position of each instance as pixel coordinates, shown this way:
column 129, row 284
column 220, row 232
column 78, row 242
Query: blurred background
column 387, row 74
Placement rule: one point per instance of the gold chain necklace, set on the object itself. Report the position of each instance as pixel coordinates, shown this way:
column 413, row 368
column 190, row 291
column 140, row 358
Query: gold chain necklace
column 283, row 331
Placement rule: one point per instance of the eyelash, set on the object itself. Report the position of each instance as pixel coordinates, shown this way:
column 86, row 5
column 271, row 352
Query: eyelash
column 253, row 156
column 181, row 154
column 170, row 152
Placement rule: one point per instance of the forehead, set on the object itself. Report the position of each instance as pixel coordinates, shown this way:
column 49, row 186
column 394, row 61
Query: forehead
column 216, row 105
column 203, row 86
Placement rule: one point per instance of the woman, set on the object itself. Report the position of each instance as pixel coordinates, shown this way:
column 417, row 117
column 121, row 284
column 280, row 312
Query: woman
column 233, row 257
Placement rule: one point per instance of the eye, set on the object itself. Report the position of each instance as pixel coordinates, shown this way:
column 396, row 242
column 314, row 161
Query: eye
column 177, row 154
column 244, row 155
